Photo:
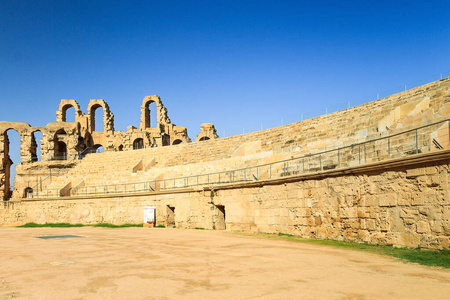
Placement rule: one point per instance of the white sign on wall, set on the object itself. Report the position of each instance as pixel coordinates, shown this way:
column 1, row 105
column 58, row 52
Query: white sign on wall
column 149, row 215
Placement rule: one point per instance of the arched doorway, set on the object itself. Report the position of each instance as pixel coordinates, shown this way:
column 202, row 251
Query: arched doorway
column 99, row 148
column 96, row 118
column 60, row 151
column 28, row 193
column 138, row 144
column 60, row 146
column 68, row 113
column 11, row 146
column 35, row 148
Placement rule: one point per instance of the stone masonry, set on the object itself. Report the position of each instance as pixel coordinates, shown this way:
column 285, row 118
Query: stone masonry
column 400, row 201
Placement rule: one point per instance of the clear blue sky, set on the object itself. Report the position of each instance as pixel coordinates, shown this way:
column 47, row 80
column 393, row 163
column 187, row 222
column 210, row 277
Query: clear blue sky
column 238, row 64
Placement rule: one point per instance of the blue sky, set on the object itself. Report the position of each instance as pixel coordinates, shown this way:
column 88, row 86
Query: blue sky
column 242, row 65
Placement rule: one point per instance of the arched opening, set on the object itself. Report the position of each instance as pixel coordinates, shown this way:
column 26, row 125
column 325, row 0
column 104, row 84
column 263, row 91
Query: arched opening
column 68, row 113
column 99, row 148
column 166, row 140
column 138, row 144
column 60, row 151
column 96, row 118
column 121, row 148
column 60, row 145
column 151, row 120
column 11, row 154
column 177, row 142
column 28, row 193
column 61, row 131
column 35, row 148
column 205, row 138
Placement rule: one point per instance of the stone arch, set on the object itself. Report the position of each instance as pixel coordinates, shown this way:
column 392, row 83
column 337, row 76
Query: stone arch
column 177, row 142
column 161, row 112
column 99, row 148
column 108, row 116
column 138, row 144
column 28, row 192
column 60, row 139
column 207, row 132
column 64, row 105
column 6, row 172
column 35, row 145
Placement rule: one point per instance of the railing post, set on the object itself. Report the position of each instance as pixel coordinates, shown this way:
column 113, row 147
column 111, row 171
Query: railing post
column 389, row 147
column 449, row 133
column 257, row 172
column 245, row 174
column 359, row 150
column 365, row 157
column 417, row 143
column 339, row 159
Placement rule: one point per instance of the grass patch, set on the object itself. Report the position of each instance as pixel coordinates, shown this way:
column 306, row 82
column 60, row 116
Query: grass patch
column 199, row 228
column 108, row 225
column 160, row 226
column 60, row 225
column 437, row 258
column 67, row 225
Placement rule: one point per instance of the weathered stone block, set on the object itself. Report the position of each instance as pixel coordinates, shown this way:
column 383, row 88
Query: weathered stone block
column 423, row 227
column 388, row 199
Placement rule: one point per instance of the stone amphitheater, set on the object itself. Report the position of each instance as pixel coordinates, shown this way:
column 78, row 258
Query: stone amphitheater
column 376, row 173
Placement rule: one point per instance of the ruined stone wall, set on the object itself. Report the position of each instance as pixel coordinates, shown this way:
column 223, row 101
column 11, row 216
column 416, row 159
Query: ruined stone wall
column 402, row 204
column 396, row 113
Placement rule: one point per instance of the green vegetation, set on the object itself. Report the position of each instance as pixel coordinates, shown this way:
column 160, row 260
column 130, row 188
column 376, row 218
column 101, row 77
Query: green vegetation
column 108, row 225
column 160, row 226
column 62, row 225
column 438, row 258
column 199, row 228
column 66, row 225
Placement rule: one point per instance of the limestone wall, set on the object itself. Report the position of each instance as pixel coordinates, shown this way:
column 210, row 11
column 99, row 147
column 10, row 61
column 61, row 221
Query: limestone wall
column 401, row 204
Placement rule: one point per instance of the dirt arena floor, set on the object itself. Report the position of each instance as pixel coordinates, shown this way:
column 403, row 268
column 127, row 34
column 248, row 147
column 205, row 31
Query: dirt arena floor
column 157, row 263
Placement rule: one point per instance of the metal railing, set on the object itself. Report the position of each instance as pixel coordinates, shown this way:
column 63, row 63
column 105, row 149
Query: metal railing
column 423, row 139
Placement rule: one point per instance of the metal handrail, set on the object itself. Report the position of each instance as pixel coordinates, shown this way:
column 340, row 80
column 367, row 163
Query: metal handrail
column 319, row 161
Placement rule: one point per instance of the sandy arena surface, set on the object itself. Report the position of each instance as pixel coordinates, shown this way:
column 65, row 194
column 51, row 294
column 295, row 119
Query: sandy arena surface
column 154, row 263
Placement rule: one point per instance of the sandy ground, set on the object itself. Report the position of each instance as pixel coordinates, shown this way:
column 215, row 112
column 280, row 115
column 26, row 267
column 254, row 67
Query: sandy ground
column 154, row 263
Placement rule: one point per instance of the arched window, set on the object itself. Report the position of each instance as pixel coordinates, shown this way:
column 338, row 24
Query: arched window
column 68, row 117
column 150, row 114
column 28, row 193
column 35, row 148
column 60, row 151
column 121, row 148
column 11, row 154
column 205, row 138
column 96, row 118
column 177, row 142
column 99, row 148
column 138, row 144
